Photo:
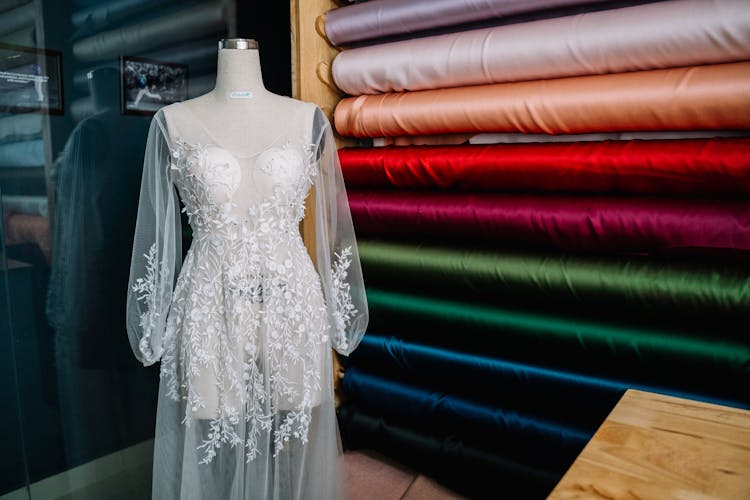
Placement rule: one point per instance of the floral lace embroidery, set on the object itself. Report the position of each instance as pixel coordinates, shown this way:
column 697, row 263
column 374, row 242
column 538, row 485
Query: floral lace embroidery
column 146, row 289
column 243, row 275
column 344, row 310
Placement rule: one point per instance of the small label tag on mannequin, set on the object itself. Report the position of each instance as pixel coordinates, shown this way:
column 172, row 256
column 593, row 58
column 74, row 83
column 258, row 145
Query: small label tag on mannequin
column 240, row 94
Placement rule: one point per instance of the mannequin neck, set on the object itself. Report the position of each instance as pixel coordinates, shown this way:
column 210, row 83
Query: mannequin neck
column 238, row 71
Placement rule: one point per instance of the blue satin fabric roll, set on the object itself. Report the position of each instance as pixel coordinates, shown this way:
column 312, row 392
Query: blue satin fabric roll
column 524, row 438
column 568, row 398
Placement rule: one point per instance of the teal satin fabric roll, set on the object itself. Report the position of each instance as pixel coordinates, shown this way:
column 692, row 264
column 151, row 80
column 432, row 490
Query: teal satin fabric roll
column 704, row 365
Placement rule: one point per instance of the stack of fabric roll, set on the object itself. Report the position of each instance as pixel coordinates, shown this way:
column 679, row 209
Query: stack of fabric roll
column 21, row 145
column 551, row 207
column 162, row 30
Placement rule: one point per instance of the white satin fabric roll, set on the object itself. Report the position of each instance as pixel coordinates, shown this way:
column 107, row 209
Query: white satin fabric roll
column 658, row 35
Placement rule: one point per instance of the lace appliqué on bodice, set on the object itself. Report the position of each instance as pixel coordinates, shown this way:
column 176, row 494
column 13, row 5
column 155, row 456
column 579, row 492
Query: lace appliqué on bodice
column 247, row 320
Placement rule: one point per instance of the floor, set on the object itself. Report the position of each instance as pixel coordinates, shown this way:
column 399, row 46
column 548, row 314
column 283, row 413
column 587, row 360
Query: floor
column 372, row 476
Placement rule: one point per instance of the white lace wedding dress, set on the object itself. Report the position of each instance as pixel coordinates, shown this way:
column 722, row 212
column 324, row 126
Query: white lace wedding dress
column 244, row 326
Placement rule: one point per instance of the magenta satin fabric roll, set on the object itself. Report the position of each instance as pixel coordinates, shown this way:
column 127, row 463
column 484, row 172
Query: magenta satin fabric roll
column 643, row 37
column 570, row 223
column 381, row 18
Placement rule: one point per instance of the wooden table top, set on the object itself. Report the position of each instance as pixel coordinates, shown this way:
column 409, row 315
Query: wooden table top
column 661, row 447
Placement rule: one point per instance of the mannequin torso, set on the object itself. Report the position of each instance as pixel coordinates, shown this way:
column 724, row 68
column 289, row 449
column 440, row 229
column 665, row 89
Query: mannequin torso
column 240, row 113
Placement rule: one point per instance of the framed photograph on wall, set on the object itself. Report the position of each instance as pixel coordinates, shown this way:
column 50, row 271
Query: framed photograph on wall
column 147, row 85
column 30, row 80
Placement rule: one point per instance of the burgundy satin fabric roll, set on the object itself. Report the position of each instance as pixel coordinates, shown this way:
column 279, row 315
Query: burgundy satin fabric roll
column 381, row 18
column 693, row 98
column 703, row 166
column 569, row 223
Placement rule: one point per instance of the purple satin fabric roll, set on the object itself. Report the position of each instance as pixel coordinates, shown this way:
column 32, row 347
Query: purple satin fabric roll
column 382, row 18
column 570, row 223
column 643, row 37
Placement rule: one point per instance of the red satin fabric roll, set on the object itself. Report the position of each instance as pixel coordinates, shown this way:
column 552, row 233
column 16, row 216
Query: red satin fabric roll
column 570, row 223
column 700, row 166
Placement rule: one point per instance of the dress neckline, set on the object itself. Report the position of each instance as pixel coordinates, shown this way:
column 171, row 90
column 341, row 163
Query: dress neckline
column 218, row 143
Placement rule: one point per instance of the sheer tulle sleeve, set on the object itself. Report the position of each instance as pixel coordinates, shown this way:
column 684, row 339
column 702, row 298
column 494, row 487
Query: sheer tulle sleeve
column 157, row 253
column 336, row 245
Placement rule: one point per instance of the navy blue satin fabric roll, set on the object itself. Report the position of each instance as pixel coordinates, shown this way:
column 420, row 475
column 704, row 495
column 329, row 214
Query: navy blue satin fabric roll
column 524, row 438
column 470, row 471
column 571, row 399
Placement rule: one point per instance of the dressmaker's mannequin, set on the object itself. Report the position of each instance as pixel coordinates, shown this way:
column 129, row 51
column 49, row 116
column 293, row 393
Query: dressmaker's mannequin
column 230, row 110
column 243, row 119
column 244, row 324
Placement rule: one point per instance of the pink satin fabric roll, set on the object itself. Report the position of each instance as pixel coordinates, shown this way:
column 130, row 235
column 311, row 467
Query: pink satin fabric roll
column 571, row 223
column 694, row 98
column 643, row 37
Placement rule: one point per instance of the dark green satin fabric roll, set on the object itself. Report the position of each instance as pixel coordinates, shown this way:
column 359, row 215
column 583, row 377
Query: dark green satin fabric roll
column 641, row 281
column 699, row 298
column 716, row 367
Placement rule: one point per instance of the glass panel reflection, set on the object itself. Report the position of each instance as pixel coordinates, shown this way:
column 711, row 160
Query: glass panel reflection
column 77, row 411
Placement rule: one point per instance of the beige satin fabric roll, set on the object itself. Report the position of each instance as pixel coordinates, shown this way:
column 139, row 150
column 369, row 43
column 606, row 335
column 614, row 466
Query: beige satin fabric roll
column 694, row 98
column 643, row 37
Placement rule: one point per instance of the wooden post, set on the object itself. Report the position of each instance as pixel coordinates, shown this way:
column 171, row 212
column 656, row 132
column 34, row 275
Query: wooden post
column 312, row 56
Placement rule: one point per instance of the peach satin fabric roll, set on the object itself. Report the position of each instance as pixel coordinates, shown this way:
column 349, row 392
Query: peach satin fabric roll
column 643, row 37
column 694, row 98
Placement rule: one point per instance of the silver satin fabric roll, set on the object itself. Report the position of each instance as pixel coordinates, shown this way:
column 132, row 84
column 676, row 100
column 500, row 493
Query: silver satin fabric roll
column 651, row 36
column 623, row 136
column 381, row 18
column 517, row 138
column 202, row 19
